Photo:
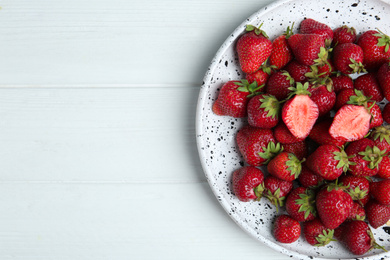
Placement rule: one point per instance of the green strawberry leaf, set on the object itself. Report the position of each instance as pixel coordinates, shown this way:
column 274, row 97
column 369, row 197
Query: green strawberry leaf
column 270, row 105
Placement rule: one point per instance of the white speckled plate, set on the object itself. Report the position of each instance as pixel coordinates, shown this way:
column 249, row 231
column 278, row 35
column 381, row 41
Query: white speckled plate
column 216, row 134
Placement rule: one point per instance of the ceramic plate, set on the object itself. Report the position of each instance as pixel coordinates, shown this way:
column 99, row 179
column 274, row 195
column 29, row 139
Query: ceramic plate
column 216, row 134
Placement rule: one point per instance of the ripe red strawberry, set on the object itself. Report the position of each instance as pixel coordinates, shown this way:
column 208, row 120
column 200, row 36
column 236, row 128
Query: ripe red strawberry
column 309, row 26
column 316, row 234
column 344, row 34
column 344, row 96
column 381, row 137
column 308, row 49
column 328, row 161
column 320, row 133
column 364, row 157
column 380, row 191
column 351, row 122
column 297, row 71
column 276, row 190
column 384, row 168
column 299, row 149
column 357, row 187
column 375, row 46
column 358, row 238
column 333, row 205
column 256, row 145
column 386, row 113
column 247, row 183
column 286, row 229
column 263, row 111
column 383, row 76
column 377, row 214
column 233, row 98
column 261, row 76
column 253, row 48
column 278, row 84
column 369, row 85
column 284, row 136
column 300, row 112
column 281, row 52
column 308, row 178
column 300, row 204
column 376, row 114
column 285, row 166
column 341, row 81
column 324, row 97
column 348, row 58
column 357, row 212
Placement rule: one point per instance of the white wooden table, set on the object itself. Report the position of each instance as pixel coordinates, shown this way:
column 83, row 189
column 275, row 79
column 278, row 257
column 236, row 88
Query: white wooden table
column 98, row 158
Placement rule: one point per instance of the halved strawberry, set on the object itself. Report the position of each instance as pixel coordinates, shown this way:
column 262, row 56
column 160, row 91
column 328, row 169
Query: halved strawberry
column 300, row 112
column 350, row 123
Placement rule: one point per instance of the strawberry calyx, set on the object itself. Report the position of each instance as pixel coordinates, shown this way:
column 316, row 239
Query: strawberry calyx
column 357, row 193
column 325, row 238
column 323, row 56
column 343, row 160
column 270, row 105
column 256, row 30
column 259, row 190
column 381, row 132
column 289, row 31
column 307, row 202
column 299, row 89
column 373, row 155
column 336, row 186
column 270, row 151
column 383, row 40
column 251, row 88
column 322, row 81
column 357, row 67
column 359, row 99
column 294, row 165
column 275, row 198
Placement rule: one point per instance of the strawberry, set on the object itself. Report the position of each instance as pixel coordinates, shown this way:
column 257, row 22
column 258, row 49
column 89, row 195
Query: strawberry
column 299, row 149
column 375, row 46
column 383, row 76
column 298, row 71
column 380, row 191
column 316, row 234
column 286, row 229
column 344, row 34
column 364, row 157
column 279, row 84
column 261, row 76
column 263, row 111
column 369, row 85
column 376, row 114
column 358, row 238
column 324, row 97
column 285, row 166
column 377, row 214
column 253, row 48
column 358, row 187
column 300, row 112
column 284, row 136
column 256, row 145
column 341, row 81
column 300, row 204
column 357, row 212
column 386, row 113
column 328, row 161
column 333, row 205
column 384, row 168
column 233, row 98
column 281, row 52
column 320, row 133
column 351, row 122
column 381, row 137
column 308, row 49
column 308, row 178
column 309, row 26
column 247, row 183
column 276, row 190
column 348, row 58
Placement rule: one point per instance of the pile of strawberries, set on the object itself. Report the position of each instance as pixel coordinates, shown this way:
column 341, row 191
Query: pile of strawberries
column 313, row 121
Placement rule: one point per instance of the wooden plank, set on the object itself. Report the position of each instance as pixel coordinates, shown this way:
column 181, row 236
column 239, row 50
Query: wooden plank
column 151, row 221
column 114, row 42
column 85, row 134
